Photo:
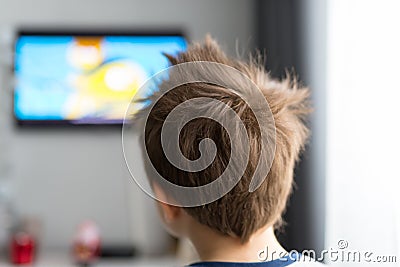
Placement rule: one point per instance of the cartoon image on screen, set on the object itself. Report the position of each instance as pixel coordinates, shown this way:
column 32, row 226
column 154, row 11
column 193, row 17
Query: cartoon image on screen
column 85, row 79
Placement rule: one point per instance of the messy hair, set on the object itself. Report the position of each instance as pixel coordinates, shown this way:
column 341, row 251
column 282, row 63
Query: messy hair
column 239, row 213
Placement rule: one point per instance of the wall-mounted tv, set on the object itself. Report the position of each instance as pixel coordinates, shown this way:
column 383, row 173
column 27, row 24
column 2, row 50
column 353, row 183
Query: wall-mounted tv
column 84, row 78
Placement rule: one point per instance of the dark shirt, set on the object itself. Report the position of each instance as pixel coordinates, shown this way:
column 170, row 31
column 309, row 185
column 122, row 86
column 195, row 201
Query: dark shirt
column 285, row 261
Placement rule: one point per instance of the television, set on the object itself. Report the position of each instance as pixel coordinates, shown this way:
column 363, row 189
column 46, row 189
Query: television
column 85, row 78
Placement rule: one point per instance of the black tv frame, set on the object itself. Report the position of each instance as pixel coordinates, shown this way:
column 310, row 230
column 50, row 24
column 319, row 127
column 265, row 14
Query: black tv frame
column 96, row 32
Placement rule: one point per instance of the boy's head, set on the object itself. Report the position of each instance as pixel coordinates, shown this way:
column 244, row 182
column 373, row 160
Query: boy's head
column 239, row 213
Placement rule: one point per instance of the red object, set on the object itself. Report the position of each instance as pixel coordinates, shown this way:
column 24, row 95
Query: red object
column 22, row 250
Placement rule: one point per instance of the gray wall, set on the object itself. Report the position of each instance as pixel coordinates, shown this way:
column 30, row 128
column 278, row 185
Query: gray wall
column 313, row 58
column 66, row 175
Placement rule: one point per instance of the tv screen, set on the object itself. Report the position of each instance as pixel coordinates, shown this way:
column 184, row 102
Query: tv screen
column 84, row 78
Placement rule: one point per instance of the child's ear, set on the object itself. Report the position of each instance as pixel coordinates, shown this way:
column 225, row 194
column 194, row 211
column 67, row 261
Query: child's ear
column 169, row 212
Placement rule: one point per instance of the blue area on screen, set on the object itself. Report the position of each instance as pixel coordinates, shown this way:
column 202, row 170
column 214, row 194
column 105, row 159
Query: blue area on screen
column 83, row 78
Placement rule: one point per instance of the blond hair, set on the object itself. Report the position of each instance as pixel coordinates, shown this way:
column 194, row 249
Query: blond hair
column 239, row 213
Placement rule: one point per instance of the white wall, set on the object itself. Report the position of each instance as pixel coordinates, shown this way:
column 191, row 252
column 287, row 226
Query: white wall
column 66, row 175
column 363, row 127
